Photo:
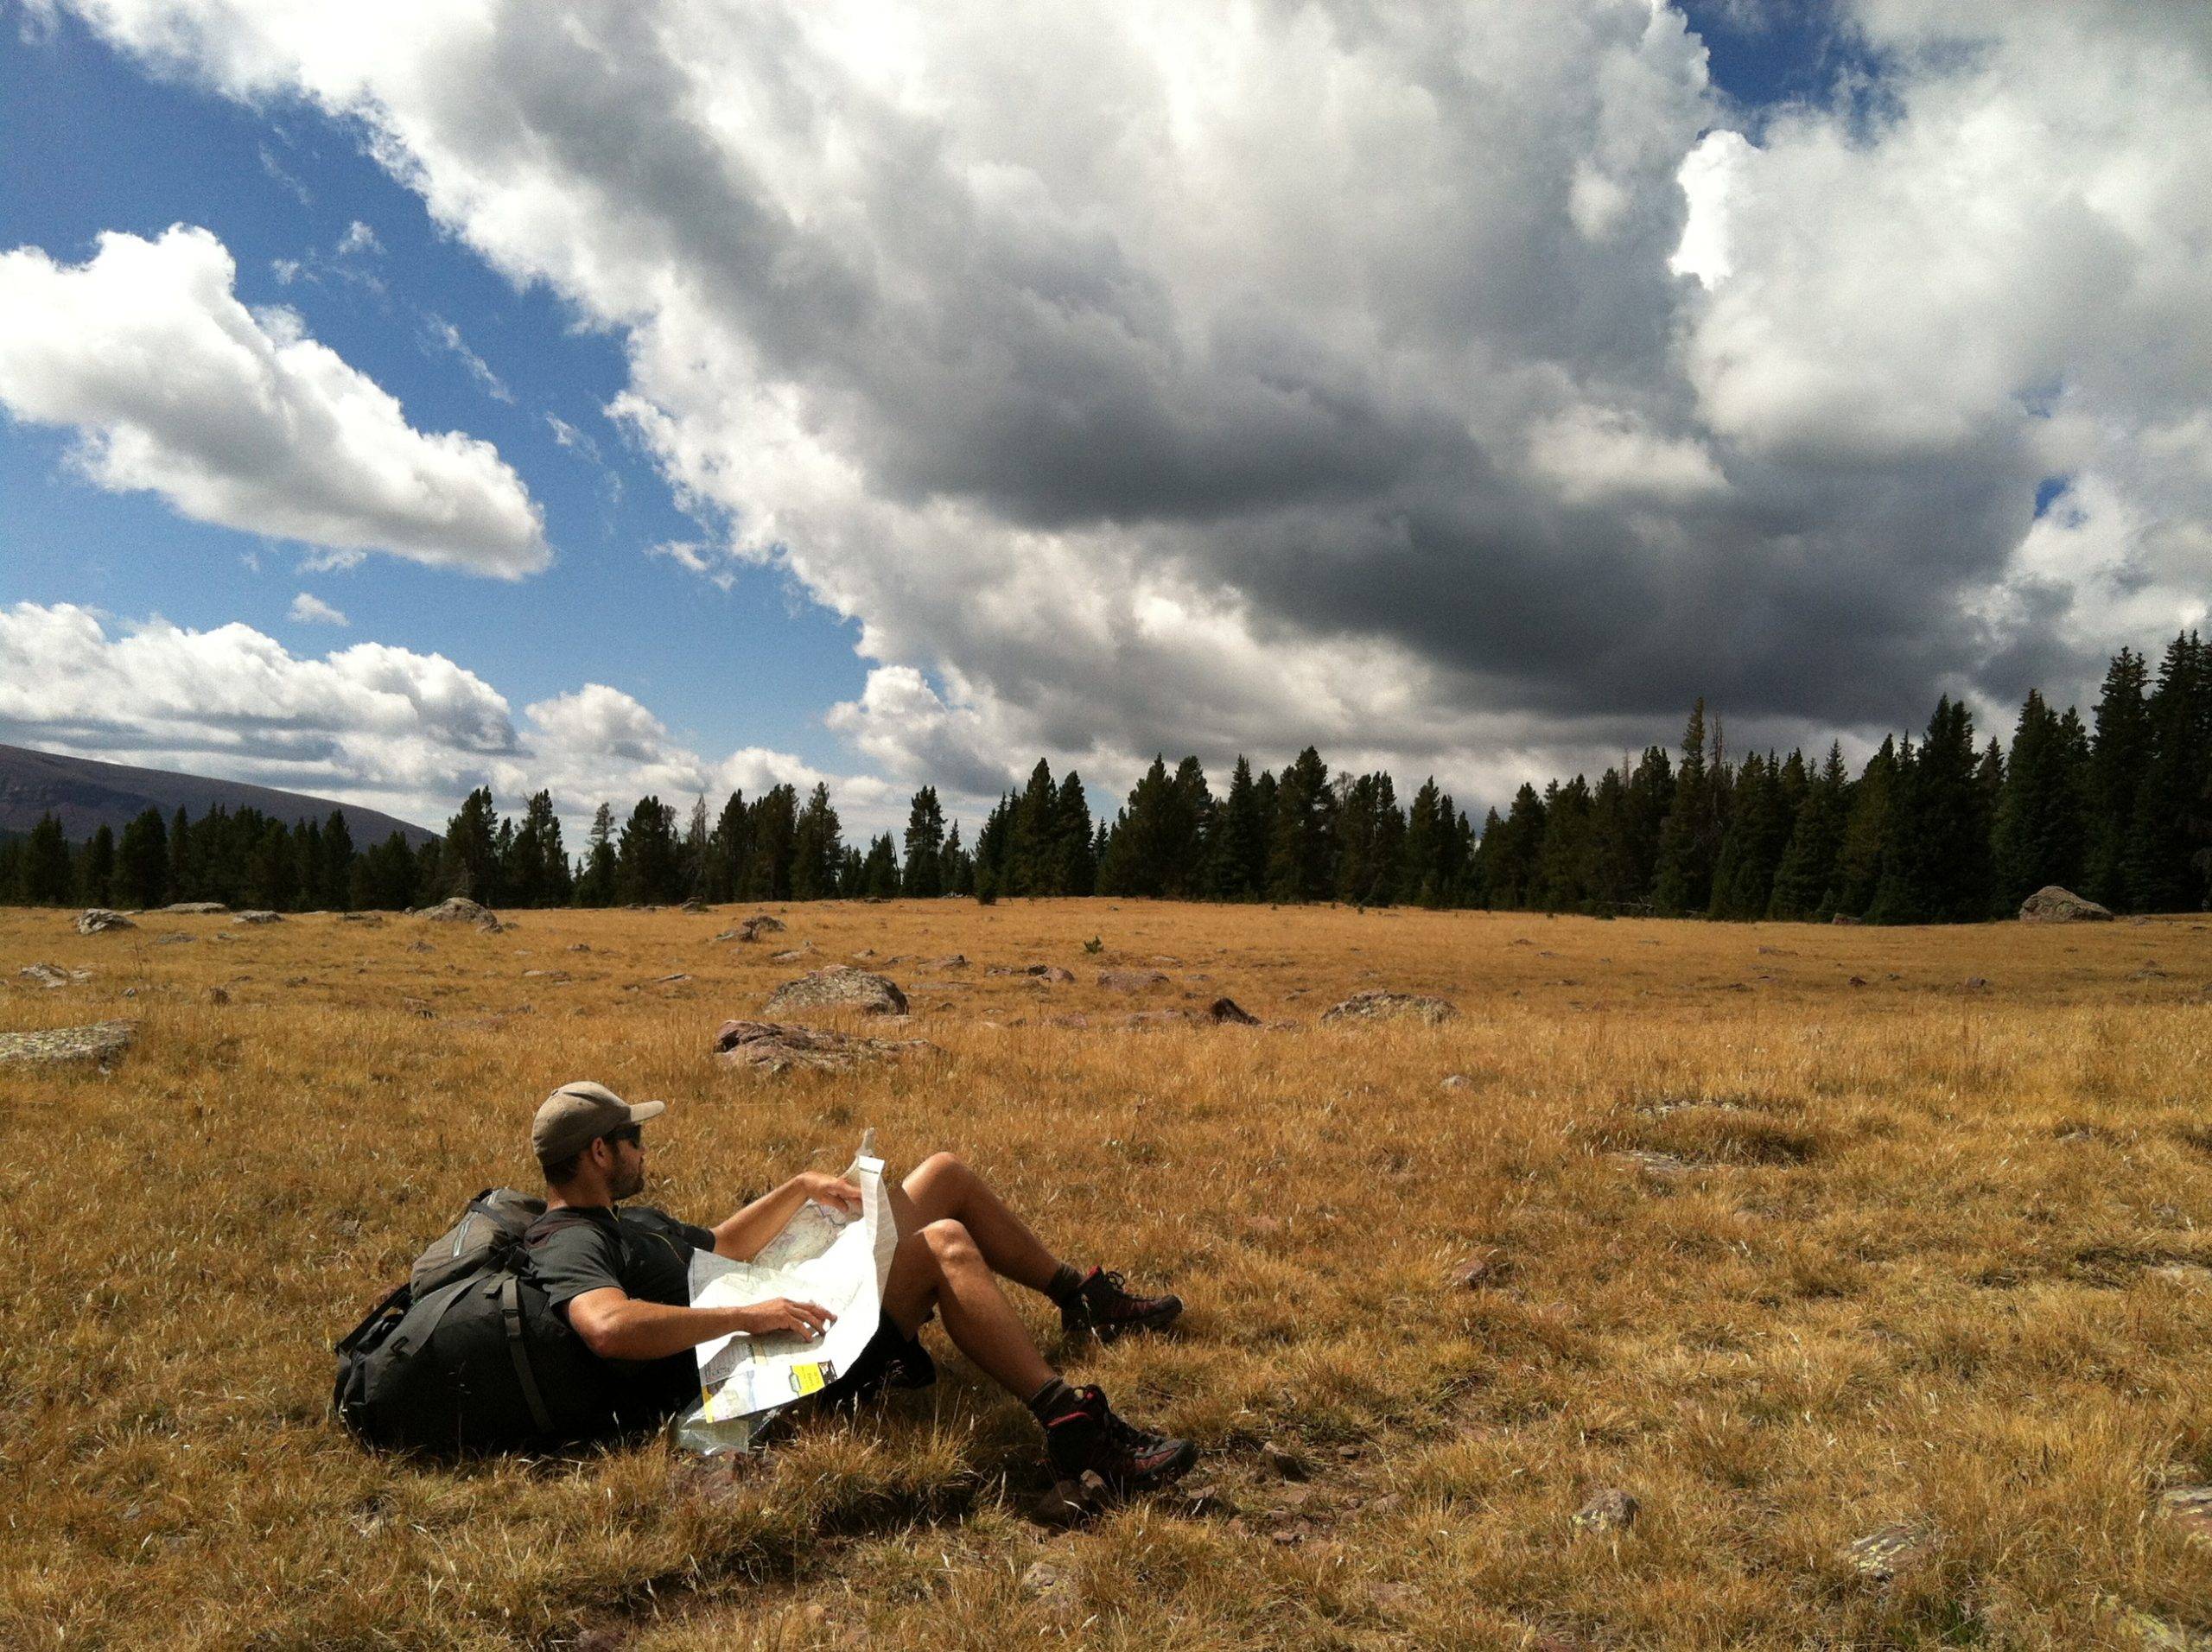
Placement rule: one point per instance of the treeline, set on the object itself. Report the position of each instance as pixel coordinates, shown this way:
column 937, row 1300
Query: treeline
column 1941, row 829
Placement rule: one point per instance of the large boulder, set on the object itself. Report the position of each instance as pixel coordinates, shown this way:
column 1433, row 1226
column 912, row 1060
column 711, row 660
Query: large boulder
column 101, row 1041
column 459, row 909
column 838, row 986
column 771, row 1046
column 48, row 974
column 1376, row 1005
column 259, row 917
column 95, row 920
column 758, row 924
column 2052, row 905
column 193, row 908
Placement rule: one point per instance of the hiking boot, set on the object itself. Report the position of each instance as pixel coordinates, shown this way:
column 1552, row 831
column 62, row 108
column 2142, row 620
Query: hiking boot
column 1085, row 1434
column 1101, row 1305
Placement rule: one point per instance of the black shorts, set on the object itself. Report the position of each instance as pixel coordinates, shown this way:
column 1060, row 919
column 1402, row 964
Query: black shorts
column 892, row 1358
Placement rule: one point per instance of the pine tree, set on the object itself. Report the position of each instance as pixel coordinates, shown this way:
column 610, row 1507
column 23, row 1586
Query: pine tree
column 596, row 884
column 470, row 862
column 1936, row 868
column 1867, row 828
column 1301, row 838
column 1804, row 880
column 1078, row 870
column 1690, row 838
column 1561, row 855
column 729, row 848
column 2041, row 834
column 646, row 871
column 959, row 874
column 96, row 868
column 2162, row 861
column 2119, row 753
column 141, row 868
column 878, row 878
column 1758, row 836
column 818, row 848
column 45, row 864
column 691, row 863
column 774, row 821
column 926, row 846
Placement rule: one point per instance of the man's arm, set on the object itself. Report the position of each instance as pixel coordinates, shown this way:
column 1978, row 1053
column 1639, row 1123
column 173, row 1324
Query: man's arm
column 617, row 1325
column 740, row 1237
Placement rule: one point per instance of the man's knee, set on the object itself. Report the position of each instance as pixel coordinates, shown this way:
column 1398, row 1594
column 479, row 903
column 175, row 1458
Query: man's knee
column 937, row 1167
column 951, row 1245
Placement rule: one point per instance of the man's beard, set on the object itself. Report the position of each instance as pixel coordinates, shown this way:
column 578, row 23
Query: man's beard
column 627, row 1182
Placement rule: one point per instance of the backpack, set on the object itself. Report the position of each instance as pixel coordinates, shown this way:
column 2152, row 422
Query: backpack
column 467, row 1355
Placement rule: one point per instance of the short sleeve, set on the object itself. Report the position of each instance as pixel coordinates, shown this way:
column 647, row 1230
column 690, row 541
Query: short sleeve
column 572, row 1258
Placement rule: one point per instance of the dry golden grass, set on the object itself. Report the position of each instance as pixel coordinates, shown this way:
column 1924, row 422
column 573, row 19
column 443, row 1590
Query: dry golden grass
column 1931, row 1276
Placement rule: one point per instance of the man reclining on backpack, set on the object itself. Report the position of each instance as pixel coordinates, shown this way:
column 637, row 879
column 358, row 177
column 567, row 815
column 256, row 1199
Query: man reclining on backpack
column 629, row 1302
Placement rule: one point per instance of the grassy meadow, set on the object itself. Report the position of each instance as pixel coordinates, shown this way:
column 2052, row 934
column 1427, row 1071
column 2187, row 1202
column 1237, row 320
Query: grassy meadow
column 1791, row 1232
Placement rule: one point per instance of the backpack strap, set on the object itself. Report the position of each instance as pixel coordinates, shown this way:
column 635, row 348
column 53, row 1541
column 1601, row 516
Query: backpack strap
column 399, row 1299
column 510, row 1290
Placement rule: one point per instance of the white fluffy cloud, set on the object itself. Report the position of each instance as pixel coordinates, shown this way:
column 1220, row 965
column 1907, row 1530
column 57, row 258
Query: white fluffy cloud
column 1428, row 383
column 308, row 609
column 238, row 418
column 406, row 733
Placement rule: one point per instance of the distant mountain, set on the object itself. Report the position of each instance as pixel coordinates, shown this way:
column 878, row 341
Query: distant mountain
column 88, row 795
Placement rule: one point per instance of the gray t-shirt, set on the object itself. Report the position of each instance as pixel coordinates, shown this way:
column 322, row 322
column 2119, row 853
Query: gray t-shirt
column 642, row 1252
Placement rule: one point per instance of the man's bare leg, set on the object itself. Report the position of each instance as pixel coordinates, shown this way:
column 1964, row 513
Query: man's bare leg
column 938, row 1265
column 942, row 1188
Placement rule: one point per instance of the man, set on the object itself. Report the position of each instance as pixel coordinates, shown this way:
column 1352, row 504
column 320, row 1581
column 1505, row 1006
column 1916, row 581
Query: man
column 623, row 1285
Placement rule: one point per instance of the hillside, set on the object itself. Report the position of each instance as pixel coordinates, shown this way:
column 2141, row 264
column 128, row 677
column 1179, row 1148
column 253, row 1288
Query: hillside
column 88, row 795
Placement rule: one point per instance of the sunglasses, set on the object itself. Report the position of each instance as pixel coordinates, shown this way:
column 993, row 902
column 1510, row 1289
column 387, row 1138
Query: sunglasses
column 633, row 1133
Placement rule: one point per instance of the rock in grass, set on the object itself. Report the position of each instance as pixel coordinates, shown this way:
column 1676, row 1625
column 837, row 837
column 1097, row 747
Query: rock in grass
column 97, row 920
column 1284, row 1462
column 758, row 924
column 771, row 1046
column 50, row 975
column 1608, row 1509
column 101, row 1041
column 1131, row 980
column 1485, row 1269
column 459, row 909
column 1894, row 1549
column 193, row 908
column 1227, row 1012
column 1377, row 1004
column 2052, row 905
column 2190, row 1507
column 259, row 917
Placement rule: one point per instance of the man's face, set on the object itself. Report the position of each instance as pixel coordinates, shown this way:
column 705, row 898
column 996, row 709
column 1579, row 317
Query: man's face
column 626, row 1176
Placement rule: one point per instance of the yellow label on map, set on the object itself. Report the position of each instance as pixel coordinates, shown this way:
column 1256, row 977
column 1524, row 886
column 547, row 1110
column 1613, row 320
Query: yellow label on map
column 807, row 1379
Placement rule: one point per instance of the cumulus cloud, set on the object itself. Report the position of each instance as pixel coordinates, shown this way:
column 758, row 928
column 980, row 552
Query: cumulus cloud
column 310, row 610
column 238, row 418
column 388, row 727
column 1436, row 383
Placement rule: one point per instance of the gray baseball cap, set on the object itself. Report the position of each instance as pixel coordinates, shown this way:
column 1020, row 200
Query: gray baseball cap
column 575, row 1116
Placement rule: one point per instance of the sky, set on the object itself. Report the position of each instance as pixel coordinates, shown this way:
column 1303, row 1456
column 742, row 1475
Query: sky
column 682, row 395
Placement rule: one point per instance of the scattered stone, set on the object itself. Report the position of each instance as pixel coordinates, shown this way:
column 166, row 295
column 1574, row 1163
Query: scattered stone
column 957, row 961
column 1608, row 1509
column 667, row 980
column 96, row 920
column 1284, row 1462
column 459, row 909
column 580, row 946
column 773, row 1047
column 1075, row 1019
column 1065, row 1503
column 2154, row 1634
column 193, row 909
column 1977, row 983
column 793, row 955
column 1844, row 918
column 100, row 1042
column 412, row 946
column 1884, row 1553
column 1153, row 1021
column 1665, row 1165
column 863, row 955
column 2052, row 905
column 1047, row 1582
column 1204, row 1500
column 2189, row 1274
column 1456, row 1081
column 2150, row 971
column 1162, row 959
column 545, row 974
column 1857, row 981
column 2190, row 1507
column 1226, row 1012
column 175, row 937
column 694, row 905
column 1485, row 1269
column 51, row 976
column 259, row 917
column 1131, row 980
column 374, row 920
column 218, row 995
column 1377, row 1004
column 758, row 924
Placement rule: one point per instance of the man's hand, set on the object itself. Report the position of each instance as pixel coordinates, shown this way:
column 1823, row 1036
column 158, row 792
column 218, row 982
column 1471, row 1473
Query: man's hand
column 833, row 1191
column 782, row 1317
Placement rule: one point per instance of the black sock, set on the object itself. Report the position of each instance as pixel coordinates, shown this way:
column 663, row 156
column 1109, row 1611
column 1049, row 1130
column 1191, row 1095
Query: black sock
column 1066, row 1283
column 1054, row 1396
